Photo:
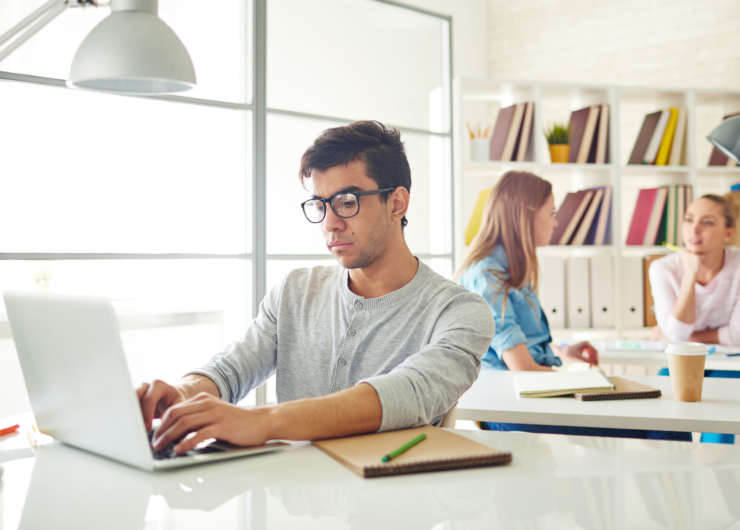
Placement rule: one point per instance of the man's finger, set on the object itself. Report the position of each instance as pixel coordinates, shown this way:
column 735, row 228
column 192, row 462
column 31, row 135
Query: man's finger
column 179, row 428
column 190, row 442
column 179, row 411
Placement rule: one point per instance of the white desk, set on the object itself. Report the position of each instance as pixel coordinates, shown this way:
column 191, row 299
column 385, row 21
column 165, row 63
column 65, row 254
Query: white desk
column 492, row 398
column 657, row 360
column 553, row 482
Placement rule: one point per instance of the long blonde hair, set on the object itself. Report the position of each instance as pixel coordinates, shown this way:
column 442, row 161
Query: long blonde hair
column 508, row 220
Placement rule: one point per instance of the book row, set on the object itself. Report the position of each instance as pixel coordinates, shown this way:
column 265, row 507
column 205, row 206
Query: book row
column 511, row 139
column 661, row 140
column 584, row 218
column 588, row 135
column 657, row 216
column 579, row 292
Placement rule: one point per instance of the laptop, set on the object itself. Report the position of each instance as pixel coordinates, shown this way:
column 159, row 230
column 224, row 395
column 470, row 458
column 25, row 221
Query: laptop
column 79, row 385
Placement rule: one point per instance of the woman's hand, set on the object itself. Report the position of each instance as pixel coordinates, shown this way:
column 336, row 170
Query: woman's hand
column 690, row 265
column 582, row 351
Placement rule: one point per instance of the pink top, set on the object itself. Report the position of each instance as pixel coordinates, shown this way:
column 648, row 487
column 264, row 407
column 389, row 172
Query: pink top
column 717, row 303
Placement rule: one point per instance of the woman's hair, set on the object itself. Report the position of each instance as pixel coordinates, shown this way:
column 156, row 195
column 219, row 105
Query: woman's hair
column 729, row 209
column 508, row 220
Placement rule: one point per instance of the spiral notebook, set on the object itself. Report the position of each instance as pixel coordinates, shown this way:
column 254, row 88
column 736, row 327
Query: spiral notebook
column 623, row 389
column 440, row 450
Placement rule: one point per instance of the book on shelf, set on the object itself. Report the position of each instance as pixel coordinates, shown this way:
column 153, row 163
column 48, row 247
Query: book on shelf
column 601, row 153
column 647, row 216
column 643, row 138
column 652, row 149
column 569, row 216
column 513, row 133
column 601, row 228
column 649, row 303
column 563, row 383
column 677, row 146
column 671, row 213
column 582, row 125
column 471, row 230
column 717, row 157
column 525, row 145
column 675, row 209
column 501, row 132
column 661, row 158
column 588, row 218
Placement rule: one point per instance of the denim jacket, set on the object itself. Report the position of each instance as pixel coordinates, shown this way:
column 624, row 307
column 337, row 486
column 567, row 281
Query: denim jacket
column 521, row 322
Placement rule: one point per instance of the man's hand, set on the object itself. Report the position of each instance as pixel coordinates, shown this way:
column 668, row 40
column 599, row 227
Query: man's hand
column 155, row 398
column 206, row 416
column 582, row 351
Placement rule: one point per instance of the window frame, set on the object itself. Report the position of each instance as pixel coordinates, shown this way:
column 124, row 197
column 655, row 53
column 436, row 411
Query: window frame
column 259, row 113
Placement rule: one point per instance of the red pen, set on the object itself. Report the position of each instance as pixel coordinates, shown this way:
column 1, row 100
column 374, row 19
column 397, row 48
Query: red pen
column 9, row 430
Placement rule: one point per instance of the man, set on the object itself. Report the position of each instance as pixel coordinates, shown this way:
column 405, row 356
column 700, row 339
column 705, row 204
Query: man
column 380, row 343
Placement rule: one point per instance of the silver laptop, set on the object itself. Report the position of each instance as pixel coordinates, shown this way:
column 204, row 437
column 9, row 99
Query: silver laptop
column 79, row 385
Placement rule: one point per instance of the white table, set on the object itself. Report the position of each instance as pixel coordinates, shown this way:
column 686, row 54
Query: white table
column 493, row 398
column 656, row 359
column 553, row 482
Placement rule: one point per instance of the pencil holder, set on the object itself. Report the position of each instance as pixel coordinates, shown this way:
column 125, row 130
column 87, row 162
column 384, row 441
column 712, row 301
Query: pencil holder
column 479, row 149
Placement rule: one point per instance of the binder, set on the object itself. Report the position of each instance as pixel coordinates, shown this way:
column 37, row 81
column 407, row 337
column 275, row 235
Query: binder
column 551, row 283
column 577, row 294
column 442, row 449
column 602, row 291
column 631, row 290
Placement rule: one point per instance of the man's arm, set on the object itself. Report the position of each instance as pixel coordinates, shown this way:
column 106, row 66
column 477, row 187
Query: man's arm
column 351, row 411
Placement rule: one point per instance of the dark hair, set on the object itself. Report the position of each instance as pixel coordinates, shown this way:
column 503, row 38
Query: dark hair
column 371, row 142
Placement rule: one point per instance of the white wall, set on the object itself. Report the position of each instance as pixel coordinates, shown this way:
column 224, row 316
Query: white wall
column 677, row 43
column 469, row 33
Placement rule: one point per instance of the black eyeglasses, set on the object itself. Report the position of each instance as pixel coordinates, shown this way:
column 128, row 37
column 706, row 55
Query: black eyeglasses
column 345, row 204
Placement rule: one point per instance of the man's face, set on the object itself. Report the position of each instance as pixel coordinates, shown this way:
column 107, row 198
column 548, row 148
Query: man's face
column 356, row 242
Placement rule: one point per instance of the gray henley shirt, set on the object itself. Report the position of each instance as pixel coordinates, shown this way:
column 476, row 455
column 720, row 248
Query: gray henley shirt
column 419, row 346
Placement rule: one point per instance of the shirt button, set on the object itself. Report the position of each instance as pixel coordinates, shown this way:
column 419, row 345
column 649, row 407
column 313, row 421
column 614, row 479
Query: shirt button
column 352, row 332
column 358, row 305
column 342, row 362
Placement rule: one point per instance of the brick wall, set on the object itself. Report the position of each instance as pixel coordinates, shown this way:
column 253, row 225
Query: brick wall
column 678, row 43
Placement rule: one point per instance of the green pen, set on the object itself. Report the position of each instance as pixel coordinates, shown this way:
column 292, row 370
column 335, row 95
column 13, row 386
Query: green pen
column 405, row 447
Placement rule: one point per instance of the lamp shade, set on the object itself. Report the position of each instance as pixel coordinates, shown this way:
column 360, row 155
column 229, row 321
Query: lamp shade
column 726, row 137
column 132, row 51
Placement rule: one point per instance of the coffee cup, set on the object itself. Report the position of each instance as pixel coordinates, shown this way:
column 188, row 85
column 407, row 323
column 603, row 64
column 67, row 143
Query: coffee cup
column 686, row 368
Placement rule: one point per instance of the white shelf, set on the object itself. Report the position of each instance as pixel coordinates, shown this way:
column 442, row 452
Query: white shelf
column 478, row 101
column 643, row 169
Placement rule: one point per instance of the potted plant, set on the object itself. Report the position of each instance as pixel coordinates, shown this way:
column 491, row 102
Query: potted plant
column 557, row 139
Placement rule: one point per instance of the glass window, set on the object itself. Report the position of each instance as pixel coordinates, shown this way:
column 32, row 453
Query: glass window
column 358, row 60
column 430, row 225
column 92, row 172
column 218, row 41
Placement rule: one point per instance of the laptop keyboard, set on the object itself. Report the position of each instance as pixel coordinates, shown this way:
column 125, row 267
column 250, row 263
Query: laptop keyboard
column 216, row 446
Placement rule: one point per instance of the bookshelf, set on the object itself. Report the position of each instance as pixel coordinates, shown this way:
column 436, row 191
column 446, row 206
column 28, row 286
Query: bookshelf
column 478, row 101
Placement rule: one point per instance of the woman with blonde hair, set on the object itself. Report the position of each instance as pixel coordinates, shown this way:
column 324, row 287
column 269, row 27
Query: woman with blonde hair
column 519, row 216
column 697, row 291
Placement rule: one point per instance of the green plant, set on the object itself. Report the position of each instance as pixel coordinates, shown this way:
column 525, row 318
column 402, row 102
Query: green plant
column 557, row 134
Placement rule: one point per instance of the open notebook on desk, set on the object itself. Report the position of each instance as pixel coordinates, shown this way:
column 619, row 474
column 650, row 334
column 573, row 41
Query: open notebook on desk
column 440, row 450
column 561, row 383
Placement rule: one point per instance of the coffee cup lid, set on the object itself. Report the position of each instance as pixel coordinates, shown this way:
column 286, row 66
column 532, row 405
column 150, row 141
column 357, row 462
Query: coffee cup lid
column 686, row 348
